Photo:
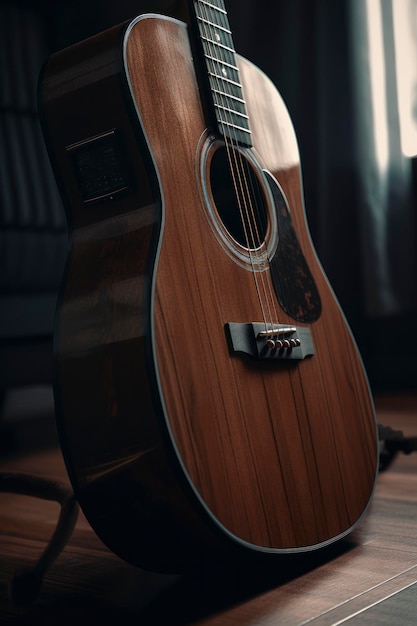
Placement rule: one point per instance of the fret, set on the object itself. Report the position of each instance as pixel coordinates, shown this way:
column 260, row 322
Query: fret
column 226, row 69
column 205, row 21
column 222, row 71
column 214, row 13
column 225, row 79
column 234, row 121
column 217, row 4
column 235, row 126
column 215, row 30
column 227, row 103
column 213, row 6
column 217, row 92
column 228, row 87
column 233, row 111
column 214, row 52
column 231, row 125
column 225, row 106
column 217, row 44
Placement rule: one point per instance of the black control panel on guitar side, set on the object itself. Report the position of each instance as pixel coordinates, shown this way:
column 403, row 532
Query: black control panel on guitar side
column 100, row 167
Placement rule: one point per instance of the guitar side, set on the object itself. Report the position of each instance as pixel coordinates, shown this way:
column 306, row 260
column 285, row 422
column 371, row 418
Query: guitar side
column 114, row 447
column 177, row 448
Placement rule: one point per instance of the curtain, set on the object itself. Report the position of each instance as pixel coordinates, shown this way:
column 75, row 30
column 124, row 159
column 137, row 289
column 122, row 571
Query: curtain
column 385, row 183
column 334, row 65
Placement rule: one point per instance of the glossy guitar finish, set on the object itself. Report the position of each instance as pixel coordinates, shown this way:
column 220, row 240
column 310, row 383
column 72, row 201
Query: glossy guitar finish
column 180, row 448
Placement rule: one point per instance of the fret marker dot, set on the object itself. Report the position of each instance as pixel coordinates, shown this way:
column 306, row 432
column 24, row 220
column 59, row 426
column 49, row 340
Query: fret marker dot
column 217, row 37
column 224, row 72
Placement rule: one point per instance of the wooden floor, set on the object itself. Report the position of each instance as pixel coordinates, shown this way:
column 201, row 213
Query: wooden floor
column 369, row 579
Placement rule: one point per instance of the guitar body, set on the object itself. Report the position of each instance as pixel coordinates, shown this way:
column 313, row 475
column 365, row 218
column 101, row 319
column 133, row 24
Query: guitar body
column 182, row 444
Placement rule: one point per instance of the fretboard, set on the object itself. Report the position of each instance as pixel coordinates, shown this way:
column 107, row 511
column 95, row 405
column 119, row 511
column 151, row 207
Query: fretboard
column 222, row 71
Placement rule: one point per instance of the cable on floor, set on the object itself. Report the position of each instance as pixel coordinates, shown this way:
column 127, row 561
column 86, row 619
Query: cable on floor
column 25, row 584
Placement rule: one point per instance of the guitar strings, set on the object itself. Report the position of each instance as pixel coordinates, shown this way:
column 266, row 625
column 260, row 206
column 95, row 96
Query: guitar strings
column 207, row 28
column 239, row 166
column 235, row 157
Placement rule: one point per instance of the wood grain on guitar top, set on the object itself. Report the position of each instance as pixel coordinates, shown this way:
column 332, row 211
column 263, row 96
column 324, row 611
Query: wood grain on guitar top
column 177, row 448
column 272, row 451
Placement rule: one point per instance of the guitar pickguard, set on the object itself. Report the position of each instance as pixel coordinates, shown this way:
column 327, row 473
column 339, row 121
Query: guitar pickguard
column 293, row 282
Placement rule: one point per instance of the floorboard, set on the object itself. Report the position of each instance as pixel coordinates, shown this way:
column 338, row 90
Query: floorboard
column 370, row 578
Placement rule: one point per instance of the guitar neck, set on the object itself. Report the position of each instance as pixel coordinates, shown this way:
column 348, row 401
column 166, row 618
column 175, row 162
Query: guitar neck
column 222, row 71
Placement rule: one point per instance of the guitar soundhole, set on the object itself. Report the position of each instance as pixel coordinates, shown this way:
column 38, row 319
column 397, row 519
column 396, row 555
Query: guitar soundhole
column 238, row 197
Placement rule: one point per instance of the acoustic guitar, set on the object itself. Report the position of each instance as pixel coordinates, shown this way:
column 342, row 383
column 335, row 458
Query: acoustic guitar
column 210, row 398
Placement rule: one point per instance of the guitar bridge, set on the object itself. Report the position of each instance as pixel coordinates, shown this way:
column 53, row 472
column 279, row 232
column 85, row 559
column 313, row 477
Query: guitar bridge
column 280, row 342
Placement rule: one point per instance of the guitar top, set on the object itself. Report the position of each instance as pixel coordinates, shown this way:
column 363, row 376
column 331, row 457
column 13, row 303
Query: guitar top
column 210, row 397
